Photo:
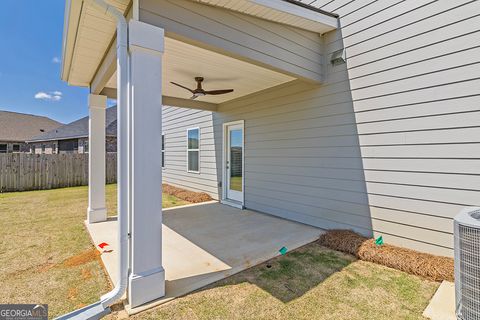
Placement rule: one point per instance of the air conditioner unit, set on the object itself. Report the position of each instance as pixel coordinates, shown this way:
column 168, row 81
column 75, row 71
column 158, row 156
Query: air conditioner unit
column 467, row 264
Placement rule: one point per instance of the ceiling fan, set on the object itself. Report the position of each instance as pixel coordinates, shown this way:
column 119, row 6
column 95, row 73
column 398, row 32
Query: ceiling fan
column 199, row 92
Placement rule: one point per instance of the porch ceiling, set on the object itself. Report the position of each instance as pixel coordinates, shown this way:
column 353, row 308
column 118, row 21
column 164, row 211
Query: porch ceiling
column 89, row 33
column 182, row 62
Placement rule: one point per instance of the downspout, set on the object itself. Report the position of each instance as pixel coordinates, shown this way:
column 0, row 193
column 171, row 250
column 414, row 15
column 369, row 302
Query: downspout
column 101, row 308
column 122, row 170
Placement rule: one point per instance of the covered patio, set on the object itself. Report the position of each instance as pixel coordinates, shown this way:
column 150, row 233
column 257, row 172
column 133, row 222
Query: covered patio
column 132, row 51
column 207, row 242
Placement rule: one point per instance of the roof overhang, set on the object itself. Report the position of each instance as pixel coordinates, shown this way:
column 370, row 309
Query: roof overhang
column 80, row 15
column 89, row 34
column 290, row 12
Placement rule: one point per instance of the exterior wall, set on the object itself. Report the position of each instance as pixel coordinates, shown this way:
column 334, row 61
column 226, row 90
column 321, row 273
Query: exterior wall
column 388, row 145
column 175, row 122
column 50, row 146
column 83, row 146
column 23, row 147
column 111, row 144
column 302, row 156
column 413, row 69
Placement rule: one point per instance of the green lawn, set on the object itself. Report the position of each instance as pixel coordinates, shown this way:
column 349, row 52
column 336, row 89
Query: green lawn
column 310, row 283
column 45, row 253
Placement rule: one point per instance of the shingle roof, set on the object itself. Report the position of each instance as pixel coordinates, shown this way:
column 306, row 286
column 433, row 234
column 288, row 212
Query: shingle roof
column 16, row 126
column 79, row 128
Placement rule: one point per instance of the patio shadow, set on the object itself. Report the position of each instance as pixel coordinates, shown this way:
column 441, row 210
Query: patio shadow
column 290, row 277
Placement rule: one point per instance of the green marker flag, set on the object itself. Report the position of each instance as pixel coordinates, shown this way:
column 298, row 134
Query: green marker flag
column 379, row 241
column 283, row 251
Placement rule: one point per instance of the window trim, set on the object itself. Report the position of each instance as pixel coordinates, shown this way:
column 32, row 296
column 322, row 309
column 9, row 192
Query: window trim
column 164, row 142
column 198, row 150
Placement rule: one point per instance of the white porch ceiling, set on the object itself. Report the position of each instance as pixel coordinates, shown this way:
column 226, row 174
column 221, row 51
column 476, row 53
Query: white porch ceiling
column 86, row 38
column 182, row 62
column 89, row 32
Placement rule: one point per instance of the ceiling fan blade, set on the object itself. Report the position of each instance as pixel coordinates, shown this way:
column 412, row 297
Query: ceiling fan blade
column 219, row 91
column 179, row 85
column 193, row 97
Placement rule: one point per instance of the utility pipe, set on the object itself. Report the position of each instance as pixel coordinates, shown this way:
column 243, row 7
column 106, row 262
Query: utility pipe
column 101, row 308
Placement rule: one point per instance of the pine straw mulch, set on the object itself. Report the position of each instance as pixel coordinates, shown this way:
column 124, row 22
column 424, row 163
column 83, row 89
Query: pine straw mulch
column 425, row 265
column 190, row 196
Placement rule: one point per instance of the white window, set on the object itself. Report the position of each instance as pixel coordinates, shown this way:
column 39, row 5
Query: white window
column 163, row 150
column 193, row 150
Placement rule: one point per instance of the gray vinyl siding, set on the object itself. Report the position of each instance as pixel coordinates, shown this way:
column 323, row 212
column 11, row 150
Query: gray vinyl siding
column 414, row 70
column 388, row 145
column 302, row 158
column 175, row 123
column 292, row 50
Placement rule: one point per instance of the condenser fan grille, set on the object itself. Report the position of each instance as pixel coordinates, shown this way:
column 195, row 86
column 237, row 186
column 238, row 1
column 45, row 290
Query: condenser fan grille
column 469, row 254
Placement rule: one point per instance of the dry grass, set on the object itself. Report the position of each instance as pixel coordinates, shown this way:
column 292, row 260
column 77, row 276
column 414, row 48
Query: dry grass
column 421, row 264
column 190, row 196
column 312, row 282
column 42, row 233
column 45, row 252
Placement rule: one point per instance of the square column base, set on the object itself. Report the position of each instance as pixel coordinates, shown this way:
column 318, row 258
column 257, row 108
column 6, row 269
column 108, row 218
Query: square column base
column 145, row 288
column 96, row 215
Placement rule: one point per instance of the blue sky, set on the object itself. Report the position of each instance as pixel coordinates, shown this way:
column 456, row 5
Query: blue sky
column 30, row 50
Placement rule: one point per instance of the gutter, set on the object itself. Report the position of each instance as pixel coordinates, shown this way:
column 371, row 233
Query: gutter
column 310, row 7
column 102, row 307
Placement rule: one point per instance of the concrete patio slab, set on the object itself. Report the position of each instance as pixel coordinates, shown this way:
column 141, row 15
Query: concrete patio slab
column 208, row 242
column 442, row 305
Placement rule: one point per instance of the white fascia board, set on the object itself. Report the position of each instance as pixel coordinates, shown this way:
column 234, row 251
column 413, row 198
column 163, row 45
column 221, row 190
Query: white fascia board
column 71, row 18
column 299, row 11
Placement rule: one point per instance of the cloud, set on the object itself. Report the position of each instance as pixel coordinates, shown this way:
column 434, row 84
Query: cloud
column 56, row 60
column 51, row 96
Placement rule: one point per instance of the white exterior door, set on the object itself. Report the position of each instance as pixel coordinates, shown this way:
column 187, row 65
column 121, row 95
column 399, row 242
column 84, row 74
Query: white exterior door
column 233, row 164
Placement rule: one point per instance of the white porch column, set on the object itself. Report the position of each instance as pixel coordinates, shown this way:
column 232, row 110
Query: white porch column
column 96, row 159
column 147, row 277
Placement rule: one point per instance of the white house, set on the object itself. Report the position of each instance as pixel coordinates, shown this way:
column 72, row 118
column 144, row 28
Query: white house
column 358, row 115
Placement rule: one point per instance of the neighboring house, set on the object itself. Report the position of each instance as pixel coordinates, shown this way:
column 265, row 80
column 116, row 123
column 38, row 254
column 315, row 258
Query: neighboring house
column 16, row 128
column 366, row 118
column 73, row 137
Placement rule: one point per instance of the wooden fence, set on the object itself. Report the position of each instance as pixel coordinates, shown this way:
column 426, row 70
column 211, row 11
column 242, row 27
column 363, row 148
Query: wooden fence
column 22, row 172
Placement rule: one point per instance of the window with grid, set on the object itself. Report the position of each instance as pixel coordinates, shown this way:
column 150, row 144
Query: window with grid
column 193, row 150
